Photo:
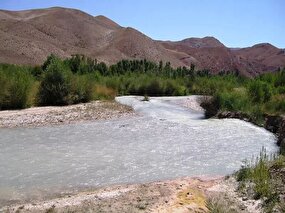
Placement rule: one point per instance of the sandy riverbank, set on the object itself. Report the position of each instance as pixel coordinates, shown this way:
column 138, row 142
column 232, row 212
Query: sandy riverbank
column 96, row 110
column 43, row 116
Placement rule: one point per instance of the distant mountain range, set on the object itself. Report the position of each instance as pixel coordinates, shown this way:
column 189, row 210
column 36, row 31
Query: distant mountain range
column 28, row 37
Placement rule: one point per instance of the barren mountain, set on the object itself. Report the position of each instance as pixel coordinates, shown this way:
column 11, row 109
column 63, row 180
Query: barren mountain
column 264, row 55
column 28, row 37
column 208, row 53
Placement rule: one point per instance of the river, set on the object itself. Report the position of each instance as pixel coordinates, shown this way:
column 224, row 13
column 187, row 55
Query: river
column 164, row 141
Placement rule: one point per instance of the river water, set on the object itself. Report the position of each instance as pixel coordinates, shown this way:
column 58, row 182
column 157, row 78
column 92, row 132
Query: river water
column 165, row 141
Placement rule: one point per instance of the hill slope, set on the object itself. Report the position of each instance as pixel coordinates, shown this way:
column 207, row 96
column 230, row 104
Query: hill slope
column 28, row 37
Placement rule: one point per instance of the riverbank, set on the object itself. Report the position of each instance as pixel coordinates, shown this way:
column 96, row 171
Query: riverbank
column 272, row 123
column 180, row 195
column 53, row 115
column 264, row 179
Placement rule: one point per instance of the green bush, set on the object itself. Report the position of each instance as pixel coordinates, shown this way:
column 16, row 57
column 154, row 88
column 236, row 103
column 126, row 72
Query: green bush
column 15, row 87
column 81, row 89
column 280, row 79
column 258, row 173
column 259, row 92
column 232, row 101
column 276, row 105
column 55, row 86
column 153, row 88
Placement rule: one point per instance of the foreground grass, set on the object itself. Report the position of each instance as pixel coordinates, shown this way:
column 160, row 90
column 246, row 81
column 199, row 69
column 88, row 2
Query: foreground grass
column 263, row 178
column 220, row 205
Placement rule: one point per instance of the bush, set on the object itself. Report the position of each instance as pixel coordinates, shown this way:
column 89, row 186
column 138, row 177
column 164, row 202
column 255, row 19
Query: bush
column 280, row 80
column 153, row 88
column 232, row 101
column 258, row 173
column 276, row 105
column 15, row 87
column 81, row 89
column 259, row 92
column 220, row 205
column 214, row 84
column 56, row 85
column 103, row 92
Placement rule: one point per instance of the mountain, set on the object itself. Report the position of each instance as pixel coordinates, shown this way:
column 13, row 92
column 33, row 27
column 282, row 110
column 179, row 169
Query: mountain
column 28, row 37
column 205, row 53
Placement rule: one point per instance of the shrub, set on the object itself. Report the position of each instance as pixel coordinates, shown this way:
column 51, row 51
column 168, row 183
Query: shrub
column 221, row 204
column 214, row 84
column 259, row 91
column 56, row 84
column 145, row 98
column 261, row 176
column 81, row 89
column 153, row 88
column 15, row 87
column 103, row 92
column 49, row 60
column 232, row 101
column 276, row 105
column 244, row 172
column 280, row 80
column 258, row 173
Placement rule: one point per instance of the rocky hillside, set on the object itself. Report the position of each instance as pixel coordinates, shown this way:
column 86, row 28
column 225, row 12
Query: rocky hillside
column 28, row 37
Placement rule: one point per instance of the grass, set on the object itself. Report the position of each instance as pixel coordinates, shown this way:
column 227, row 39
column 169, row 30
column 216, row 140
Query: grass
column 259, row 179
column 219, row 205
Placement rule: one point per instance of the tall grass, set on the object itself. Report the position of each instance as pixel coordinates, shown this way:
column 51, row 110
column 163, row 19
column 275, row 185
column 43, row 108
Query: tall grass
column 255, row 176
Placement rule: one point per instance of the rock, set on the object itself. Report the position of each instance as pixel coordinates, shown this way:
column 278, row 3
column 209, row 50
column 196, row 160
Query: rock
column 281, row 132
column 276, row 124
column 210, row 105
column 237, row 115
column 282, row 147
column 273, row 123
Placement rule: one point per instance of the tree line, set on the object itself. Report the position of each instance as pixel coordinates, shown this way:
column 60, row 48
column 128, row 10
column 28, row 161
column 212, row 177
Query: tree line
column 81, row 79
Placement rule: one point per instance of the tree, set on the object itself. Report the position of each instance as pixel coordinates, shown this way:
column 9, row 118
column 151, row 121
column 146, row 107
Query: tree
column 55, row 86
column 160, row 67
column 49, row 60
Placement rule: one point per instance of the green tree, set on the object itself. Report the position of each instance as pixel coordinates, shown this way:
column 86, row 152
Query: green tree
column 55, row 86
column 49, row 60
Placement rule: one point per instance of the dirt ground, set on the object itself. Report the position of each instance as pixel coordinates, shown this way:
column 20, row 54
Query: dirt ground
column 177, row 196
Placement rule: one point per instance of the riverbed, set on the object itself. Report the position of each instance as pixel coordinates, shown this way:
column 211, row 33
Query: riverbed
column 166, row 140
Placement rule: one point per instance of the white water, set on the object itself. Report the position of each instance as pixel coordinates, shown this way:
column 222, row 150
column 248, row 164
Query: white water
column 166, row 141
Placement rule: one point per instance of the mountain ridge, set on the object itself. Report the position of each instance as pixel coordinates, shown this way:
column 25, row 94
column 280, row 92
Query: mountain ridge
column 29, row 36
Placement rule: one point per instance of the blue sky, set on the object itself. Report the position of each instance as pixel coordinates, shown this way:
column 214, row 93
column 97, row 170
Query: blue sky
column 236, row 23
